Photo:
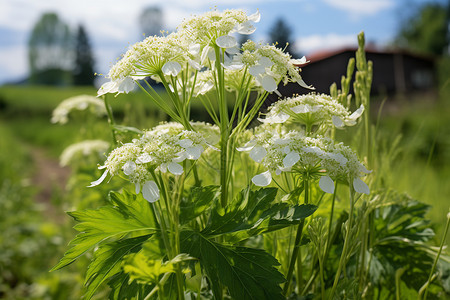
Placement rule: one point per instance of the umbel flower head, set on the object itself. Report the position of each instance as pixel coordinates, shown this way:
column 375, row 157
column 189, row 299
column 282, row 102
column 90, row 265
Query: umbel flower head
column 311, row 109
column 84, row 148
column 161, row 149
column 82, row 102
column 296, row 153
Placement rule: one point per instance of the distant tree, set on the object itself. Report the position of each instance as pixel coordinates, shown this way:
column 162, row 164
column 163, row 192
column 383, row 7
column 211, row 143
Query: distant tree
column 83, row 72
column 426, row 30
column 50, row 51
column 281, row 34
column 151, row 21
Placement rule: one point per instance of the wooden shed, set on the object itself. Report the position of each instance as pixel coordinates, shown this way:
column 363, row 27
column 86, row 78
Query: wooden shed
column 393, row 71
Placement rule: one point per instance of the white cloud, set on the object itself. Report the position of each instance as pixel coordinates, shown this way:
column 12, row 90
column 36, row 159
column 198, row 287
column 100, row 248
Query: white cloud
column 361, row 7
column 312, row 43
column 16, row 66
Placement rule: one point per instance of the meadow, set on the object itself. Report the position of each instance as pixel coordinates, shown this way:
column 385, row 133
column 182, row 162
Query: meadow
column 34, row 233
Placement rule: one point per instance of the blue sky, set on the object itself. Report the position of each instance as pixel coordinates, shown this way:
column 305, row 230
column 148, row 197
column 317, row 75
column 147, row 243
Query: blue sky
column 113, row 24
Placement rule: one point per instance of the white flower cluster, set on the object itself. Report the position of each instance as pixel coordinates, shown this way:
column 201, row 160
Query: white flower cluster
column 161, row 149
column 311, row 109
column 194, row 43
column 84, row 148
column 294, row 152
column 81, row 102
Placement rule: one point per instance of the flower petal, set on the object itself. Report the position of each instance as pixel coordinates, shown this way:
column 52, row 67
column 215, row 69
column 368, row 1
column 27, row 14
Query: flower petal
column 171, row 68
column 256, row 70
column 255, row 17
column 129, row 167
column 360, row 186
column 226, row 41
column 337, row 121
column 194, row 152
column 326, row 184
column 107, row 87
column 126, row 85
column 100, row 180
column 269, row 83
column 150, row 191
column 185, row 143
column 246, row 28
column 299, row 61
column 175, row 168
column 291, row 159
column 137, row 187
column 263, row 179
column 258, row 153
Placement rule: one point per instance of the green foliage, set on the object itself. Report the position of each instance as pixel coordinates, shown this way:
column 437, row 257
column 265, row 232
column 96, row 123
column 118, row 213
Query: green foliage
column 426, row 30
column 248, row 273
column 129, row 214
column 252, row 213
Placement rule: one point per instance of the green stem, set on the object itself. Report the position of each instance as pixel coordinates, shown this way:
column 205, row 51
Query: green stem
column 296, row 250
column 342, row 260
column 111, row 121
column 430, row 278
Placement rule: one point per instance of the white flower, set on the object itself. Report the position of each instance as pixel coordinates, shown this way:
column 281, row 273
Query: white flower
column 226, row 41
column 150, row 191
column 257, row 153
column 85, row 148
column 82, row 102
column 263, row 179
column 326, row 184
column 171, row 68
column 360, row 186
column 100, row 180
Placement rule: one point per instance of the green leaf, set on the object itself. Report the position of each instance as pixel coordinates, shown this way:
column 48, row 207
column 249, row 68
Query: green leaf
column 252, row 213
column 198, row 200
column 248, row 273
column 122, row 128
column 125, row 289
column 107, row 262
column 130, row 214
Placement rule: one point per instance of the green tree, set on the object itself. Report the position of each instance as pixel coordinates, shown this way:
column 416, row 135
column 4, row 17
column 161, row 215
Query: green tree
column 83, row 73
column 426, row 30
column 281, row 34
column 50, row 51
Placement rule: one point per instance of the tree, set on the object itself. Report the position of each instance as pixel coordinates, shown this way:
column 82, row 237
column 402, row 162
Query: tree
column 83, row 72
column 151, row 21
column 50, row 51
column 426, row 30
column 281, row 34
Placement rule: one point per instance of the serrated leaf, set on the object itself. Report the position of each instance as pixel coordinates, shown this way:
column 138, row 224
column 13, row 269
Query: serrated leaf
column 252, row 213
column 198, row 200
column 107, row 262
column 130, row 214
column 247, row 273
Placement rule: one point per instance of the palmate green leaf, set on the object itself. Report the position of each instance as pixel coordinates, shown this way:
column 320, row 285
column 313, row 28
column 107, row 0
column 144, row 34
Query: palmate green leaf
column 197, row 201
column 129, row 214
column 247, row 273
column 107, row 261
column 252, row 213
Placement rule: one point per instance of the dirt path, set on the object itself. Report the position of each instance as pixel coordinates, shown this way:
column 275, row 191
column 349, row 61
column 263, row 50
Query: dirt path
column 49, row 178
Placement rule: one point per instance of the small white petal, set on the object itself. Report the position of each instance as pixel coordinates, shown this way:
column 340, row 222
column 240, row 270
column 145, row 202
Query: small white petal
column 175, row 168
column 100, row 180
column 233, row 65
column 129, row 167
column 269, row 83
column 181, row 157
column 299, row 61
column 256, row 70
column 246, row 28
column 248, row 146
column 303, row 84
column 194, row 64
column 263, row 179
column 326, row 184
column 258, row 153
column 300, row 109
column 137, row 187
column 185, row 143
column 255, row 17
column 226, row 41
column 291, row 159
column 108, row 87
column 144, row 158
column 205, row 87
column 232, row 50
column 360, row 186
column 171, row 68
column 150, row 191
column 204, row 54
column 278, row 171
column 194, row 152
column 265, row 62
column 337, row 121
column 126, row 85
column 357, row 113
column 171, row 88
column 163, row 167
